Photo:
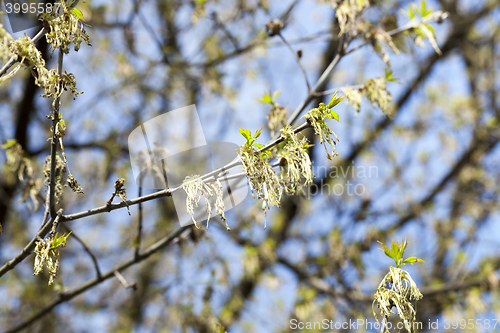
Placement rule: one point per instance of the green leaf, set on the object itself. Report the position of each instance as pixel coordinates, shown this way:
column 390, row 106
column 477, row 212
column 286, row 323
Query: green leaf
column 246, row 133
column 386, row 250
column 334, row 115
column 395, row 251
column 9, row 144
column 411, row 15
column 58, row 241
column 389, row 77
column 257, row 133
column 430, row 27
column 411, row 260
column 258, row 145
column 276, row 94
column 336, row 99
column 266, row 99
column 404, row 244
column 78, row 13
column 267, row 153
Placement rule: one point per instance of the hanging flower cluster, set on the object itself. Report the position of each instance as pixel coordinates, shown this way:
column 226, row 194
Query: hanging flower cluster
column 397, row 289
column 277, row 116
column 47, row 255
column 375, row 90
column 65, row 29
column 195, row 187
column 346, row 12
column 316, row 118
column 264, row 181
column 19, row 167
column 294, row 160
column 276, row 119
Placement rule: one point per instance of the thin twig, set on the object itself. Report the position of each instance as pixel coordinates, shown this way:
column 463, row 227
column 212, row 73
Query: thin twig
column 53, row 230
column 139, row 227
column 124, row 282
column 297, row 58
column 106, row 208
column 322, row 79
column 332, row 91
column 46, row 213
column 85, row 248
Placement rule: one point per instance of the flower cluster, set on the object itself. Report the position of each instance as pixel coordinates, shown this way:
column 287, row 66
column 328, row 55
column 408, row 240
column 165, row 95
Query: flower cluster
column 5, row 41
column 397, row 289
column 347, row 10
column 264, row 181
column 377, row 93
column 316, row 118
column 66, row 29
column 276, row 118
column 47, row 254
column 375, row 90
column 294, row 160
column 195, row 187
column 19, row 167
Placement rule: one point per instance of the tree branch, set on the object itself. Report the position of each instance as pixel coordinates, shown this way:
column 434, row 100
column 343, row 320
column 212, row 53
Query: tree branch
column 297, row 58
column 86, row 249
column 173, row 238
column 53, row 143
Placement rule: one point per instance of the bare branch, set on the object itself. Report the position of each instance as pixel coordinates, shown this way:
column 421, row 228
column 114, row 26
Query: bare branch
column 85, row 248
column 297, row 57
column 139, row 227
column 124, row 283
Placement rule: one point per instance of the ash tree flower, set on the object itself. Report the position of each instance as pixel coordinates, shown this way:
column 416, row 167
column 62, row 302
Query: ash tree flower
column 316, row 118
column 47, row 255
column 397, row 289
column 195, row 187
column 263, row 180
column 294, row 160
